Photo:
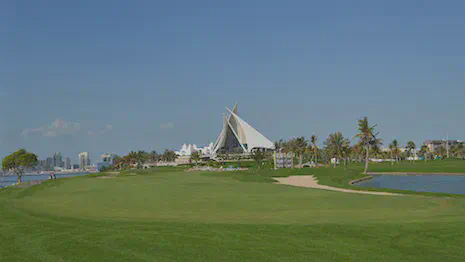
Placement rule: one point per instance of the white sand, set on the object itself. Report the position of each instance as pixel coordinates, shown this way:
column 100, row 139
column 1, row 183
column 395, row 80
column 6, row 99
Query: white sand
column 311, row 182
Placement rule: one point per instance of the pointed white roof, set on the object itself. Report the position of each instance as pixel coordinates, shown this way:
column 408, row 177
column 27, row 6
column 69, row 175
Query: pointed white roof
column 254, row 139
column 247, row 136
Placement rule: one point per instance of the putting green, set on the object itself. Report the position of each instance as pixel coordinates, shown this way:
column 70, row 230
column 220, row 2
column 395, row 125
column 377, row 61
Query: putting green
column 176, row 215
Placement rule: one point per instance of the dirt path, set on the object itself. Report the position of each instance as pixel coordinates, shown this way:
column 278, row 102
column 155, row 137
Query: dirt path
column 311, row 182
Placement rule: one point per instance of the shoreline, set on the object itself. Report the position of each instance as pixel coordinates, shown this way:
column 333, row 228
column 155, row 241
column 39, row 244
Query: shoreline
column 371, row 174
column 355, row 181
column 48, row 173
column 312, row 182
column 415, row 173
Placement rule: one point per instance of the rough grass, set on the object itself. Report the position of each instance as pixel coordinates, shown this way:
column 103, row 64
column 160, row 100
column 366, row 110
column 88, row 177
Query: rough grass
column 172, row 215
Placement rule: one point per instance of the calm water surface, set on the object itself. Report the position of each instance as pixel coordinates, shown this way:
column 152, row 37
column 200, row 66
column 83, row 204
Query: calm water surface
column 418, row 183
column 10, row 180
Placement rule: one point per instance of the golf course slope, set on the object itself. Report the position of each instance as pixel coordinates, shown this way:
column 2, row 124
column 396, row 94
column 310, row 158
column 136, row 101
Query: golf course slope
column 170, row 215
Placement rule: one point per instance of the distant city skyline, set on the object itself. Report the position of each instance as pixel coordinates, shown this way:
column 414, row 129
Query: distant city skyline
column 105, row 76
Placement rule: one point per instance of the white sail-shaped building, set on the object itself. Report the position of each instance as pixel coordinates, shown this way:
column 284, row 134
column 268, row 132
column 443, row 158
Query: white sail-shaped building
column 237, row 136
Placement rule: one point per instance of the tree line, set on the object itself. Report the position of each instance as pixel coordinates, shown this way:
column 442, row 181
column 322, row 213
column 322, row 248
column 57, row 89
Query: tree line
column 139, row 158
column 365, row 145
column 337, row 147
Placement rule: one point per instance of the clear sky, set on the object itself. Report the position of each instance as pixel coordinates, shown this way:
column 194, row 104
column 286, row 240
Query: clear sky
column 115, row 76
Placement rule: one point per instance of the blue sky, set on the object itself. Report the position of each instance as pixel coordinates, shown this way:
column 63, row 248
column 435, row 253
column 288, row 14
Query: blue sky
column 114, row 76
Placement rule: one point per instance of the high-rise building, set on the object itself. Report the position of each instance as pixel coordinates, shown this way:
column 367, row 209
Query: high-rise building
column 49, row 164
column 107, row 160
column 68, row 163
column 58, row 160
column 84, row 160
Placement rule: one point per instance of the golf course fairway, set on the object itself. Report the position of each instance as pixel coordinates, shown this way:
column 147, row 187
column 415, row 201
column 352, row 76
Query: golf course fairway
column 173, row 215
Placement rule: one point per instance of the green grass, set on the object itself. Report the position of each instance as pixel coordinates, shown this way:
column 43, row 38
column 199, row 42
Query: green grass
column 339, row 177
column 167, row 214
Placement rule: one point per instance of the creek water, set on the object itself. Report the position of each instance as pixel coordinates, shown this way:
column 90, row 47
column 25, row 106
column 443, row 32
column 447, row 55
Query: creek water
column 10, row 180
column 452, row 184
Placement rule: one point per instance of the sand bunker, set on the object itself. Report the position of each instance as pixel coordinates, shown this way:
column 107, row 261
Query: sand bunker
column 312, row 182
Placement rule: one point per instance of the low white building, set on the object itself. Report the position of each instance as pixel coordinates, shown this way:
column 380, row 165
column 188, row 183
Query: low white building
column 188, row 149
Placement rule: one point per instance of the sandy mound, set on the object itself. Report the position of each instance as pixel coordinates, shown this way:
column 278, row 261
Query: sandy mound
column 311, row 182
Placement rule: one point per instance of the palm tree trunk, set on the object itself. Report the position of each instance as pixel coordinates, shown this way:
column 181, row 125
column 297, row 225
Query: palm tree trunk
column 301, row 156
column 335, row 161
column 292, row 162
column 18, row 181
column 367, row 159
column 392, row 160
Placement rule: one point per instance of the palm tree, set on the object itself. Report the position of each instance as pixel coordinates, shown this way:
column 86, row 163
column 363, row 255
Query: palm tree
column 169, row 156
column 459, row 150
column 154, row 157
column 258, row 155
column 376, row 149
column 347, row 152
column 424, row 151
column 117, row 162
column 358, row 150
column 391, row 150
column 441, row 151
column 367, row 138
column 195, row 157
column 279, row 144
column 394, row 149
column 300, row 147
column 313, row 140
column 411, row 147
column 337, row 146
column 132, row 158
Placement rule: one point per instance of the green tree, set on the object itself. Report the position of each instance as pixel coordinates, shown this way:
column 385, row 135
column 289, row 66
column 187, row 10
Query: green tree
column 154, row 156
column 18, row 161
column 314, row 148
column 441, row 151
column 118, row 162
column 391, row 151
column 424, row 152
column 258, row 155
column 411, row 147
column 358, row 151
column 142, row 157
column 458, row 150
column 300, row 147
column 195, row 157
column 338, row 147
column 367, row 139
column 395, row 149
column 169, row 156
column 131, row 158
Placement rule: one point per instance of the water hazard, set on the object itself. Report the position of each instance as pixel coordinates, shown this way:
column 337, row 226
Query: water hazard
column 10, row 180
column 452, row 184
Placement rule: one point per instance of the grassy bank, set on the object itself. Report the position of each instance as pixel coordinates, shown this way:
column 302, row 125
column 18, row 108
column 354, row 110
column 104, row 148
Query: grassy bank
column 170, row 215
